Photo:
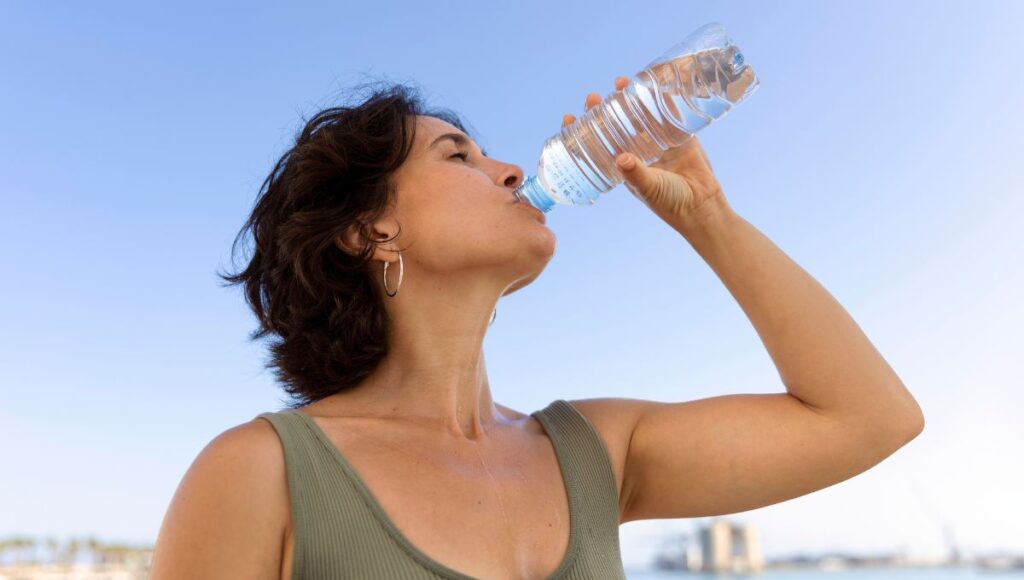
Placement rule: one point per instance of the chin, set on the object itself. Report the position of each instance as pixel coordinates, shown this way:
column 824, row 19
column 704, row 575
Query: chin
column 522, row 282
column 537, row 248
column 525, row 281
column 545, row 241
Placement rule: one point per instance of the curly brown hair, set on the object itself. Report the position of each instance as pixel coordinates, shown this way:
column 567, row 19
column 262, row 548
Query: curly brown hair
column 325, row 312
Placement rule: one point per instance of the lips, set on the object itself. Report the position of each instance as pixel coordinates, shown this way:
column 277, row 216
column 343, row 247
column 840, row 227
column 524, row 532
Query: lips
column 517, row 200
column 535, row 211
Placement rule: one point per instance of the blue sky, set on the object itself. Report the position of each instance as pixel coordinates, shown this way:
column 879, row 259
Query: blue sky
column 882, row 152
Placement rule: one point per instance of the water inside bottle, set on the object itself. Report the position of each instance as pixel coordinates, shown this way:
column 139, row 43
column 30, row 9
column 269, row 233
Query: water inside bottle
column 699, row 88
column 664, row 105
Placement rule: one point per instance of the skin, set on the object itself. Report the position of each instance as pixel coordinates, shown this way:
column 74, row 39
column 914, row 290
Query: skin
column 426, row 436
column 465, row 242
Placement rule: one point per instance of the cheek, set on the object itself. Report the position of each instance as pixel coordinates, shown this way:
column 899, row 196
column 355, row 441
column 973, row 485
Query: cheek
column 462, row 225
column 477, row 237
column 457, row 240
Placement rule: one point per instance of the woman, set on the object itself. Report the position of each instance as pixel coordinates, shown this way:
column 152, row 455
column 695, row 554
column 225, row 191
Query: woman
column 383, row 240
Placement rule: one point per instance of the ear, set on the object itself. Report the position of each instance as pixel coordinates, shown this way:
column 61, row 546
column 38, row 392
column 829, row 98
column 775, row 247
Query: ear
column 352, row 241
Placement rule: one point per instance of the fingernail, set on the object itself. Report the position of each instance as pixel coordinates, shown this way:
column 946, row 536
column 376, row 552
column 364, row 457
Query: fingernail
column 625, row 161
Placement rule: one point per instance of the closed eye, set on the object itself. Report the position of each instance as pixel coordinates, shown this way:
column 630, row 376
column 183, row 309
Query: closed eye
column 462, row 155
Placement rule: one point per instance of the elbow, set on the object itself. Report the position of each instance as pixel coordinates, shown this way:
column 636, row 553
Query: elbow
column 899, row 433
column 919, row 424
column 913, row 424
column 902, row 424
column 911, row 418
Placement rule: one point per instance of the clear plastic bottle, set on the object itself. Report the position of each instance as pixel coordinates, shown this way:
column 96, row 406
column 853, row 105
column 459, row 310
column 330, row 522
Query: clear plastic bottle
column 695, row 82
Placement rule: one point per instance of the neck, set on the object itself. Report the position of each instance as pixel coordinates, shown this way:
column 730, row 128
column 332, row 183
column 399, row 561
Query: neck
column 434, row 373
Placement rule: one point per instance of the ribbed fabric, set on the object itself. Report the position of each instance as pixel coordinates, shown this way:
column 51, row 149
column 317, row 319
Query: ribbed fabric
column 342, row 532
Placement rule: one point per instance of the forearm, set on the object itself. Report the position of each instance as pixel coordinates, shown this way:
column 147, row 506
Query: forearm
column 823, row 357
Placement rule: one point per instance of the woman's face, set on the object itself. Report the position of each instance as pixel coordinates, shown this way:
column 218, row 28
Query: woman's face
column 459, row 215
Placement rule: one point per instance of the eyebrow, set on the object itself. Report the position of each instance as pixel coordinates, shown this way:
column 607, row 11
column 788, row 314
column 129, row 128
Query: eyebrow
column 458, row 138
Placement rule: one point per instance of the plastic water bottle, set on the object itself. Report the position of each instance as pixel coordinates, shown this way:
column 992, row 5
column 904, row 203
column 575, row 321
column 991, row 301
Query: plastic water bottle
column 695, row 82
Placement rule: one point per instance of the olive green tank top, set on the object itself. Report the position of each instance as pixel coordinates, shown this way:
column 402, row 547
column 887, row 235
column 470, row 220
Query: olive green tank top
column 341, row 531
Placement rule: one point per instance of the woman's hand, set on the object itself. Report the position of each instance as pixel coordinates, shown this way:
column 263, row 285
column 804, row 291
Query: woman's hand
column 680, row 187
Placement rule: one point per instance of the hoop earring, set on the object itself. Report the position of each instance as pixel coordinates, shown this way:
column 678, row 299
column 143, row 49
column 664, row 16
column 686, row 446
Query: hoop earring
column 401, row 275
column 401, row 272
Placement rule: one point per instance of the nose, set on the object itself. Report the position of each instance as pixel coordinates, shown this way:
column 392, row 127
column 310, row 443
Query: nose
column 513, row 176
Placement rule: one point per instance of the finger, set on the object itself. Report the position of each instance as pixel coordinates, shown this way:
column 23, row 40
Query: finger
column 621, row 83
column 568, row 120
column 592, row 100
column 635, row 174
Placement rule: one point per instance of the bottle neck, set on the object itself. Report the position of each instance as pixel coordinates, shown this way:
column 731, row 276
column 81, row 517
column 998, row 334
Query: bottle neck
column 531, row 192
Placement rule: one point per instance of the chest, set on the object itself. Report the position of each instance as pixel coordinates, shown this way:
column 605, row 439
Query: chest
column 497, row 511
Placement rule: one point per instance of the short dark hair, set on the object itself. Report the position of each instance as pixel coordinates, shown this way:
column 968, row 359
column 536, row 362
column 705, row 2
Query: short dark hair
column 325, row 312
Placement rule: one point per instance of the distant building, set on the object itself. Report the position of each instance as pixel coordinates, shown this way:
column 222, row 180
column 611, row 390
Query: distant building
column 678, row 552
column 730, row 548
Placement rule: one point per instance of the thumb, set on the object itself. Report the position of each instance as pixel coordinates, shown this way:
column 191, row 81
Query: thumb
column 640, row 179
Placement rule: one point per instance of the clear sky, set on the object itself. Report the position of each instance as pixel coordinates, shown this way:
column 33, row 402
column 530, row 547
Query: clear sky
column 882, row 152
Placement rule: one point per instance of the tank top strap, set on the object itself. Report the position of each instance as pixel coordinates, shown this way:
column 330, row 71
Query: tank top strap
column 590, row 481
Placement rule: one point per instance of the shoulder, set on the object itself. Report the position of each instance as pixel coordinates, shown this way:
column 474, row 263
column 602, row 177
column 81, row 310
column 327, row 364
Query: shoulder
column 250, row 450
column 257, row 439
column 250, row 455
column 230, row 508
column 614, row 420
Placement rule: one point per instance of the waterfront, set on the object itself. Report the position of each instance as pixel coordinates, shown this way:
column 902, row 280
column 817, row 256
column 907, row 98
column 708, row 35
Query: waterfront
column 943, row 573
column 137, row 572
